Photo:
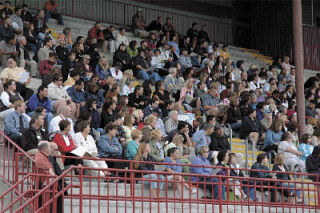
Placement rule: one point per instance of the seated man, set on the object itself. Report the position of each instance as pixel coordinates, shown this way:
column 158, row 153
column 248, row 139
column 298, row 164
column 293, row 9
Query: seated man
column 138, row 24
column 95, row 35
column 16, row 121
column 211, row 183
column 77, row 95
column 24, row 57
column 51, row 7
column 142, row 69
column 40, row 99
column 43, row 52
column 6, row 30
column 17, row 23
column 185, row 59
column 20, row 76
column 211, row 103
column 224, row 52
column 46, row 66
column 32, row 135
column 121, row 38
column 203, row 137
column 149, row 109
column 108, row 36
column 8, row 50
column 108, row 145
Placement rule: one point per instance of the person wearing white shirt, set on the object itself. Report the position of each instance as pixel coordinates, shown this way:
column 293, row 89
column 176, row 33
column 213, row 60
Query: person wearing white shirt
column 59, row 96
column 121, row 38
column 128, row 87
column 8, row 97
column 63, row 114
column 253, row 85
column 86, row 142
column 116, row 72
column 157, row 61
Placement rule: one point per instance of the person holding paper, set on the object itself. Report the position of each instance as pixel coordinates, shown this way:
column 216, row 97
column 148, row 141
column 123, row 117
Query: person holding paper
column 17, row 74
column 86, row 142
column 66, row 145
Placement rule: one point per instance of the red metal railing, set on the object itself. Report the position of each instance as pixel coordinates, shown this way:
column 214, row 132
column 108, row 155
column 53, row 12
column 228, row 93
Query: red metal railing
column 15, row 162
column 87, row 193
column 120, row 12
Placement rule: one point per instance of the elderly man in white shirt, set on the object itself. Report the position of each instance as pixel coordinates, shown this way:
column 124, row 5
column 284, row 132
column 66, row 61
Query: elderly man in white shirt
column 86, row 142
column 63, row 114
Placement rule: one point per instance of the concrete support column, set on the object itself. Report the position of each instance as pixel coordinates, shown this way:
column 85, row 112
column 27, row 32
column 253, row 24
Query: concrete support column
column 299, row 62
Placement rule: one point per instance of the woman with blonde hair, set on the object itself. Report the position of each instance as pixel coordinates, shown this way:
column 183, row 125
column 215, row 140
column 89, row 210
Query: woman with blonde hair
column 102, row 68
column 143, row 154
column 280, row 166
column 128, row 123
column 156, row 145
column 138, row 116
column 150, row 123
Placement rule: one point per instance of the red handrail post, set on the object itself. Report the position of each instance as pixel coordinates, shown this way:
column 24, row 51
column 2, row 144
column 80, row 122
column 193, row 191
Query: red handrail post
column 16, row 165
column 81, row 189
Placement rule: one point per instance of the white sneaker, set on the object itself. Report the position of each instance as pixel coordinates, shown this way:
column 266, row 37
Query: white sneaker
column 193, row 191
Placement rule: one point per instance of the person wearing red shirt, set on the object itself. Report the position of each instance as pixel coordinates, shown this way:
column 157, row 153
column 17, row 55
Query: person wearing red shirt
column 95, row 35
column 51, row 11
column 46, row 66
column 66, row 144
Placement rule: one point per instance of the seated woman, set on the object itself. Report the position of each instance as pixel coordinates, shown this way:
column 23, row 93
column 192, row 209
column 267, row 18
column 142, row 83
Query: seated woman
column 138, row 117
column 261, row 170
column 66, row 144
column 86, row 142
column 133, row 145
column 234, row 114
column 173, row 158
column 187, row 97
column 143, row 154
column 305, row 146
column 128, row 123
column 91, row 108
column 108, row 145
column 161, row 94
column 285, row 186
column 291, row 153
column 8, row 97
column 128, row 87
column 121, row 55
column 156, row 145
column 59, row 96
column 273, row 137
column 92, row 91
column 313, row 164
column 251, row 128
column 239, row 192
column 202, row 164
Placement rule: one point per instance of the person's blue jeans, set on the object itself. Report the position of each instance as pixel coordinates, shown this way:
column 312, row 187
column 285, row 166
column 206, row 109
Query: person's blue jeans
column 146, row 76
column 33, row 47
column 220, row 185
column 290, row 186
column 251, row 193
column 154, row 184
column 236, row 126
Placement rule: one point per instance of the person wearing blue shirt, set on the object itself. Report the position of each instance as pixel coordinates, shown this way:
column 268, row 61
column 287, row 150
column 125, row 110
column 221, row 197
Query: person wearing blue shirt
column 273, row 137
column 172, row 159
column 211, row 182
column 16, row 121
column 305, row 146
column 76, row 93
column 102, row 68
column 133, row 145
column 203, row 137
column 40, row 99
column 93, row 91
column 108, row 145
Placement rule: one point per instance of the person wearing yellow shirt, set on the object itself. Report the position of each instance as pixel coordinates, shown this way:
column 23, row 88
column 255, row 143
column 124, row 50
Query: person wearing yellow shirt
column 224, row 52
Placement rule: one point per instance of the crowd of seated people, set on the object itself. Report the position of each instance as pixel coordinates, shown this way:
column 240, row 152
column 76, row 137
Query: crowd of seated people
column 165, row 99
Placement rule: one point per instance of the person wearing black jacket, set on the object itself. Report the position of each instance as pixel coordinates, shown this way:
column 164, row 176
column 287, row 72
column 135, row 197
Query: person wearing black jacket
column 281, row 167
column 108, row 36
column 234, row 114
column 156, row 25
column 313, row 164
column 251, row 128
column 136, row 99
column 203, row 34
column 219, row 141
column 122, row 56
column 32, row 135
column 260, row 170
